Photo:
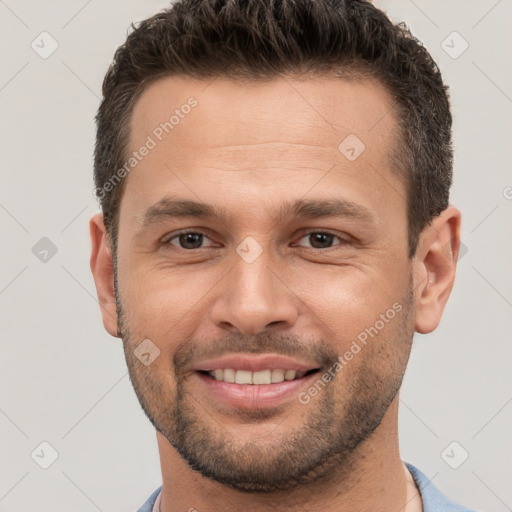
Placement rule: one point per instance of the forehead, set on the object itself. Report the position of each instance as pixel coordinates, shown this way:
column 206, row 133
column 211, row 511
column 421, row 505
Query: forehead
column 242, row 137
column 288, row 109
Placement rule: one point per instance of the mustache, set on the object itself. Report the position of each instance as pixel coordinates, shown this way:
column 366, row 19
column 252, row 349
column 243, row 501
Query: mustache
column 318, row 351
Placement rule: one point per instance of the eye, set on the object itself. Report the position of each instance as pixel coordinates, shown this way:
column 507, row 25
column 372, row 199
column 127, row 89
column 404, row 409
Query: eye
column 321, row 239
column 188, row 240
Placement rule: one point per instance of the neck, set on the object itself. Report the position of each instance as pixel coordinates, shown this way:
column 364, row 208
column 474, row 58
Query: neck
column 376, row 481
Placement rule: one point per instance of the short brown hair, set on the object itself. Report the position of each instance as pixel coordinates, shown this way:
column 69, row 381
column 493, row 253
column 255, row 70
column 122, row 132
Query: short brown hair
column 265, row 39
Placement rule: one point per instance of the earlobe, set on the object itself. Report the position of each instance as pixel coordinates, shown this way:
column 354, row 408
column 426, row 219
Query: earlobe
column 434, row 266
column 103, row 272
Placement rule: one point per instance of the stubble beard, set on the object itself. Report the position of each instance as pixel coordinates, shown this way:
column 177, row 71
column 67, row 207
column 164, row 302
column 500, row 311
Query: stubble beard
column 322, row 448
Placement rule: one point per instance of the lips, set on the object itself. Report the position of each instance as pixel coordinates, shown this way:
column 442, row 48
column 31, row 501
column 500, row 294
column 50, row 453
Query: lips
column 255, row 380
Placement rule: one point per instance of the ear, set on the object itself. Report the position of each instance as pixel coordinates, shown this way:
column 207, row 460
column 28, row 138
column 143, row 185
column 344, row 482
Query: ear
column 434, row 267
column 102, row 268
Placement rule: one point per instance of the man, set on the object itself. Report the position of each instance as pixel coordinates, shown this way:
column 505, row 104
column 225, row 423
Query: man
column 274, row 179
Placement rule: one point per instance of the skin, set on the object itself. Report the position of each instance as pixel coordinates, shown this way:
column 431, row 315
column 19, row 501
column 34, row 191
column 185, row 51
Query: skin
column 247, row 148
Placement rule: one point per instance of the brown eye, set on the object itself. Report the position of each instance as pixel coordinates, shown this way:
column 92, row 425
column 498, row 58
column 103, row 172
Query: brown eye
column 188, row 240
column 320, row 240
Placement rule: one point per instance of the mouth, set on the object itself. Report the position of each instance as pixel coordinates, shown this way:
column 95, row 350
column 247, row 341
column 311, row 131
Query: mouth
column 255, row 381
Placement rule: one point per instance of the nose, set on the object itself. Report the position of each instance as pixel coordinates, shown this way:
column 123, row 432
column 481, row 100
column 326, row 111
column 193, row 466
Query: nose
column 253, row 297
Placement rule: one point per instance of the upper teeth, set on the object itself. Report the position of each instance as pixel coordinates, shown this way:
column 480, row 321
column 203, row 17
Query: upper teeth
column 262, row 377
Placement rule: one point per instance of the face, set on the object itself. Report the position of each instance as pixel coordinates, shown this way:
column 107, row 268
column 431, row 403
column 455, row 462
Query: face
column 254, row 248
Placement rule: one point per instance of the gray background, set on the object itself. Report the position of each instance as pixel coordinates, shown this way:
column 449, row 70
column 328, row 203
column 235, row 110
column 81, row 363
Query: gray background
column 64, row 380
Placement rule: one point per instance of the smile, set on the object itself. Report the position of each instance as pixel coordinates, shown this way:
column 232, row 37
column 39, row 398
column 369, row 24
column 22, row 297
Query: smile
column 254, row 381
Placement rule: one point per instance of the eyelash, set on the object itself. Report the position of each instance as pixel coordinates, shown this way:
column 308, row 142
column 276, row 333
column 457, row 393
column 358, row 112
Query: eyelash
column 196, row 232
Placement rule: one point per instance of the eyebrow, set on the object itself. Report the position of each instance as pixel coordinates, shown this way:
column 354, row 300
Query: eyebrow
column 305, row 209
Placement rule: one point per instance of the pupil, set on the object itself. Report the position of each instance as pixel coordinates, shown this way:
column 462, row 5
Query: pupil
column 321, row 240
column 191, row 240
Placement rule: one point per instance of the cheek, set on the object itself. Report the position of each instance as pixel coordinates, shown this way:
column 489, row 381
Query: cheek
column 164, row 304
column 344, row 302
column 364, row 317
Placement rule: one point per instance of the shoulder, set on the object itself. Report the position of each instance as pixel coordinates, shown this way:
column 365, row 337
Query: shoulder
column 149, row 504
column 433, row 499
